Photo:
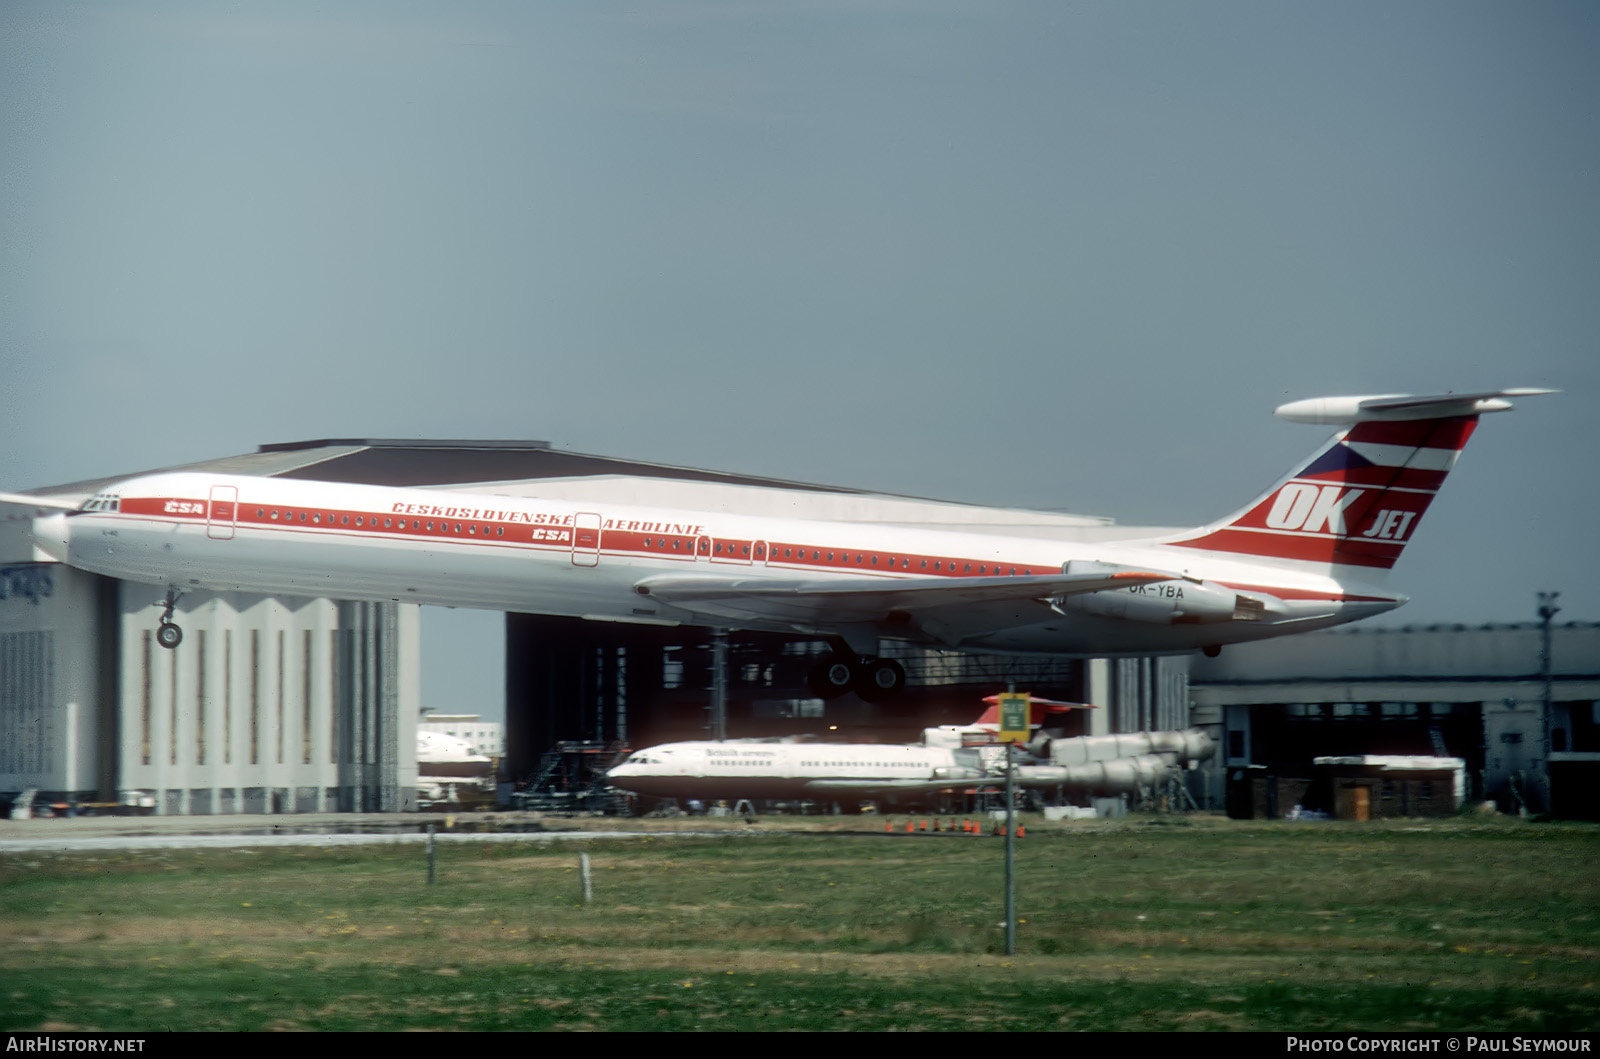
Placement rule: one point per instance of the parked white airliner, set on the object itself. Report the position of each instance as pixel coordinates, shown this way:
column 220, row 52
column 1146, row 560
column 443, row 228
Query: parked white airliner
column 1311, row 552
column 765, row 769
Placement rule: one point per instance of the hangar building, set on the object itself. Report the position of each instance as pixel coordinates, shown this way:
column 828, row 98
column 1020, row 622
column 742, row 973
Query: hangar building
column 1477, row 693
column 280, row 704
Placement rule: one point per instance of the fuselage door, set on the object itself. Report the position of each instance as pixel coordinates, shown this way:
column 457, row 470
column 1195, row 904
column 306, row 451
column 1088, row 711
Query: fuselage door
column 586, row 539
column 222, row 513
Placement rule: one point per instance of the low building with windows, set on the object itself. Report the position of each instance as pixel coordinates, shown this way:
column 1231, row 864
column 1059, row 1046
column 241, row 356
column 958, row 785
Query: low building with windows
column 1479, row 694
column 486, row 737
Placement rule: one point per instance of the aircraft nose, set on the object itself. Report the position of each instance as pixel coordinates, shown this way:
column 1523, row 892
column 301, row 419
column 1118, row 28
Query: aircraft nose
column 51, row 536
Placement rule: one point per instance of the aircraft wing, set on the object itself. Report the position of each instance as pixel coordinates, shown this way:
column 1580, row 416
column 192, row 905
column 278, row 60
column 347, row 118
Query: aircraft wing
column 853, row 600
column 23, row 506
column 20, row 507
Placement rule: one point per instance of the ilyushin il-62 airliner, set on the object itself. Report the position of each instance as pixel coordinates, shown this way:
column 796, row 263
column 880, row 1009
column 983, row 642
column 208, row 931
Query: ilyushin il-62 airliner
column 1310, row 552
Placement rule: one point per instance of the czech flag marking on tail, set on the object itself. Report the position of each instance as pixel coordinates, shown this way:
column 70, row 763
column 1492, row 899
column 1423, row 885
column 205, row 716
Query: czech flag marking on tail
column 1358, row 501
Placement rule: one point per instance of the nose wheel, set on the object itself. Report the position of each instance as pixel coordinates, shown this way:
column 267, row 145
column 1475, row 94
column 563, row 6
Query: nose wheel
column 168, row 633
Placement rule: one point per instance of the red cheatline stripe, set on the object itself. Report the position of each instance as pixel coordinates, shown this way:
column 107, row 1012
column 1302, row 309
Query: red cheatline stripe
column 740, row 551
column 783, row 554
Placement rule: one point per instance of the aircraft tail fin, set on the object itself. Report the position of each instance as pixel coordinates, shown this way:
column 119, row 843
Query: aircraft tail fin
column 1358, row 500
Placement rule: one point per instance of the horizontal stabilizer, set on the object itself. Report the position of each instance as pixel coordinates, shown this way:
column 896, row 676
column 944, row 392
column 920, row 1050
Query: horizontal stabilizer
column 1344, row 411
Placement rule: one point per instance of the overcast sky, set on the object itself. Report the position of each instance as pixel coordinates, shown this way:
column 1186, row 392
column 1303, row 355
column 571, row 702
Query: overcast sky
column 1054, row 254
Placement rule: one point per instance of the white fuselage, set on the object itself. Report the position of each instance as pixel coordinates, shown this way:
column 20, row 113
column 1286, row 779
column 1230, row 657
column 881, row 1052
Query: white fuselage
column 778, row 770
column 758, row 769
column 271, row 535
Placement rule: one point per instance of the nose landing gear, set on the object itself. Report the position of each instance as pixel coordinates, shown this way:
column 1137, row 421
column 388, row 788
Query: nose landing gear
column 169, row 634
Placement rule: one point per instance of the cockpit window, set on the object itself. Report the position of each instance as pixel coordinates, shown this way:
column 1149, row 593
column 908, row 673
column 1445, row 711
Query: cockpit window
column 102, row 502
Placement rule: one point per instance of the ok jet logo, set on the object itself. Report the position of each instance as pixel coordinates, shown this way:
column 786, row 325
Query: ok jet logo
column 1311, row 508
column 1389, row 525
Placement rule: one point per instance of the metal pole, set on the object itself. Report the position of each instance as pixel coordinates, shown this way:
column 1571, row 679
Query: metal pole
column 719, row 684
column 1011, row 846
column 619, row 727
column 1547, row 611
column 432, row 875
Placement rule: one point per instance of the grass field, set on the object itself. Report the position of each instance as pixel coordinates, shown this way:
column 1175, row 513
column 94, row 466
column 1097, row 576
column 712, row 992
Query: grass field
column 1168, row 923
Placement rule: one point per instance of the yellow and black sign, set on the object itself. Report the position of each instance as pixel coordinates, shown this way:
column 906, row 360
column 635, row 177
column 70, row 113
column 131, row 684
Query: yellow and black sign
column 1014, row 727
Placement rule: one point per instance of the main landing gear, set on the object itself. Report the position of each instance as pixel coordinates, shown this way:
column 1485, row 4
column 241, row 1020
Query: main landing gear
column 874, row 679
column 169, row 634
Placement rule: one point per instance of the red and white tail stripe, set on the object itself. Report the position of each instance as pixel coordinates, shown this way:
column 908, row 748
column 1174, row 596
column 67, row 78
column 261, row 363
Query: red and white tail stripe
column 1357, row 502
